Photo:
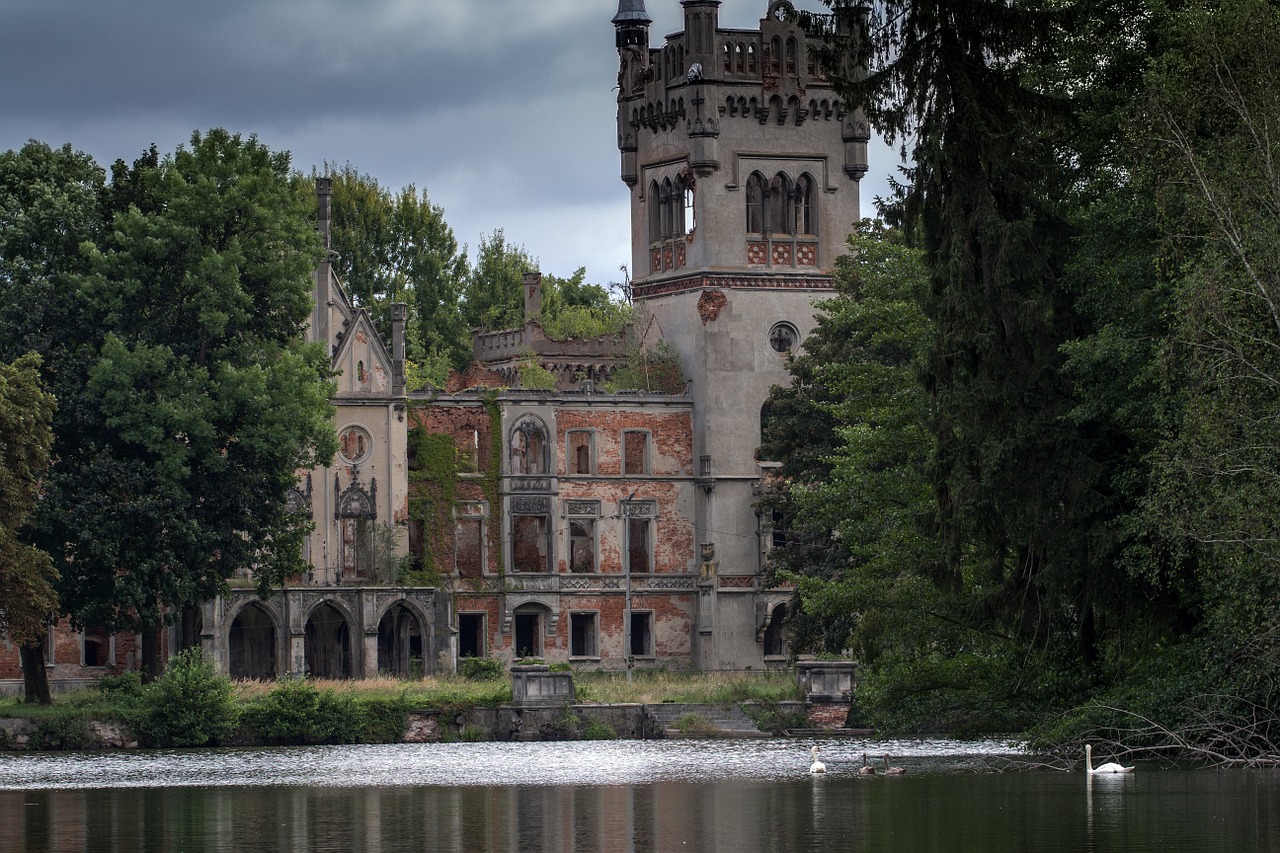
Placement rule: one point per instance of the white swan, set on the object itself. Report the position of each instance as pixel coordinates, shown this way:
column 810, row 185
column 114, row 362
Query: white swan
column 817, row 766
column 1109, row 767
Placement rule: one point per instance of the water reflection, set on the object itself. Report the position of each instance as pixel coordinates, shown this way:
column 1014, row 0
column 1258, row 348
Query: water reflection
column 679, row 796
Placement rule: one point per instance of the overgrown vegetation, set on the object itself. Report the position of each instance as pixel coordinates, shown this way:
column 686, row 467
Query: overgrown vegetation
column 189, row 705
column 1029, row 469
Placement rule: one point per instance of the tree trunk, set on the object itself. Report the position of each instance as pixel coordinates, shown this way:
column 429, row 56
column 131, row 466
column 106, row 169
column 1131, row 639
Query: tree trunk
column 152, row 666
column 35, row 678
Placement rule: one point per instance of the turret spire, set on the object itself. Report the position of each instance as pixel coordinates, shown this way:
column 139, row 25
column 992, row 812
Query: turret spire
column 631, row 12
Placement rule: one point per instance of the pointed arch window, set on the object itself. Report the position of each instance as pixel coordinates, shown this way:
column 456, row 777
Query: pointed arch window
column 803, row 217
column 776, row 204
column 529, row 448
column 775, row 56
column 792, row 52
column 751, row 59
column 664, row 204
column 728, row 58
column 755, row 203
column 655, row 213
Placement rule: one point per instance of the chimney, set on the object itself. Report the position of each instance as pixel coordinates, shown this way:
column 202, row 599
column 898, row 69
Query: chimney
column 324, row 189
column 532, row 296
column 399, row 312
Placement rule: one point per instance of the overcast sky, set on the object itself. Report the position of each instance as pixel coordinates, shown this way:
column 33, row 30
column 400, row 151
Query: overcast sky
column 502, row 110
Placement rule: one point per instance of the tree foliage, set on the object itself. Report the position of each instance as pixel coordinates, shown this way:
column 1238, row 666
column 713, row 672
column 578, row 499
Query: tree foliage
column 173, row 326
column 27, row 596
column 396, row 247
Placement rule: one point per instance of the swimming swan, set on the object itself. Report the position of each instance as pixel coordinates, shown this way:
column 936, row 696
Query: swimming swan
column 1109, row 767
column 893, row 771
column 866, row 769
column 817, row 766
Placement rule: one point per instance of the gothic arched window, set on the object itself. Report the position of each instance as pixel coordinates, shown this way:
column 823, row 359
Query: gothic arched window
column 755, row 203
column 791, row 57
column 776, row 204
column 529, row 448
column 803, row 210
column 655, row 213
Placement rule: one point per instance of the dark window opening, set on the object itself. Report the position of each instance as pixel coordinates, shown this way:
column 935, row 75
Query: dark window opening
column 641, row 634
column 638, row 550
column 775, row 635
column 582, row 635
column 471, row 635
column 400, row 643
column 527, row 635
column 252, row 645
column 328, row 644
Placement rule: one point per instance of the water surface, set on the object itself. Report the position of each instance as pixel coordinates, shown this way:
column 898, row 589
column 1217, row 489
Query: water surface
column 738, row 796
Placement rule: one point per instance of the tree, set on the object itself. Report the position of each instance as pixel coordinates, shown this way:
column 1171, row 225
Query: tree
column 189, row 397
column 27, row 596
column 49, row 205
column 495, row 295
column 397, row 247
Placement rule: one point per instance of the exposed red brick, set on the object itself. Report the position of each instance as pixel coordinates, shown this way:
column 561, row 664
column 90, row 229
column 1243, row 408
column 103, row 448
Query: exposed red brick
column 475, row 376
column 710, row 304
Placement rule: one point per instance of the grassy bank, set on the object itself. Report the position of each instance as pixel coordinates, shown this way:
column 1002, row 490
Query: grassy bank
column 192, row 706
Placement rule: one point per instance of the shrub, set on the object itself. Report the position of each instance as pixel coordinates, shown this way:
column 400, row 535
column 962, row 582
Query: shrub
column 65, row 728
column 190, row 705
column 126, row 685
column 598, row 730
column 295, row 712
column 472, row 734
column 695, row 724
column 481, row 669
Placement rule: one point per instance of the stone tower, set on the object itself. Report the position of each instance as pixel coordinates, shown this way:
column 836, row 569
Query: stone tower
column 743, row 169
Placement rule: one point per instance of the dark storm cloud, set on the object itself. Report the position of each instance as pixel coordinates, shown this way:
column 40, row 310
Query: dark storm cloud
column 502, row 110
column 258, row 60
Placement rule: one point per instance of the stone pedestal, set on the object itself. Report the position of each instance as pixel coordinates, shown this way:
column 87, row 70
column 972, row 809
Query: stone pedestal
column 536, row 686
column 828, row 688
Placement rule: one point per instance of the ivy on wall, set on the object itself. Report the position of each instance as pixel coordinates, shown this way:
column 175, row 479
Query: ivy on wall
column 433, row 481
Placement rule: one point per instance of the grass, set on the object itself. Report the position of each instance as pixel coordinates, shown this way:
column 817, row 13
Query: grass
column 455, row 694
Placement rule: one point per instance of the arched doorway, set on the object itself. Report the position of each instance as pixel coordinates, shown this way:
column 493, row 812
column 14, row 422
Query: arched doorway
column 252, row 645
column 400, row 651
column 328, row 639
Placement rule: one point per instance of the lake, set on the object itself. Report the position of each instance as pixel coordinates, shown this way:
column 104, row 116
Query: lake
column 680, row 795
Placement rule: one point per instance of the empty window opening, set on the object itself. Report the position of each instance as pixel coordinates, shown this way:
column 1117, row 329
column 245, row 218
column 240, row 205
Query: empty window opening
column 635, row 452
column 96, row 649
column 582, row 545
column 582, row 635
column 471, row 635
column 755, row 204
column 638, row 546
column 580, row 454
column 641, row 634
column 528, row 635
column 530, row 535
column 775, row 634
column 469, row 547
column 529, row 448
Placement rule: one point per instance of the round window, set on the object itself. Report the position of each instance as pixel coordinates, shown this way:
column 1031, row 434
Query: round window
column 783, row 338
column 354, row 445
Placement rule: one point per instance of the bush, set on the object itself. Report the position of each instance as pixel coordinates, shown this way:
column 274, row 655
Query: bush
column 65, row 728
column 190, row 705
column 126, row 685
column 295, row 712
column 598, row 730
column 481, row 669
